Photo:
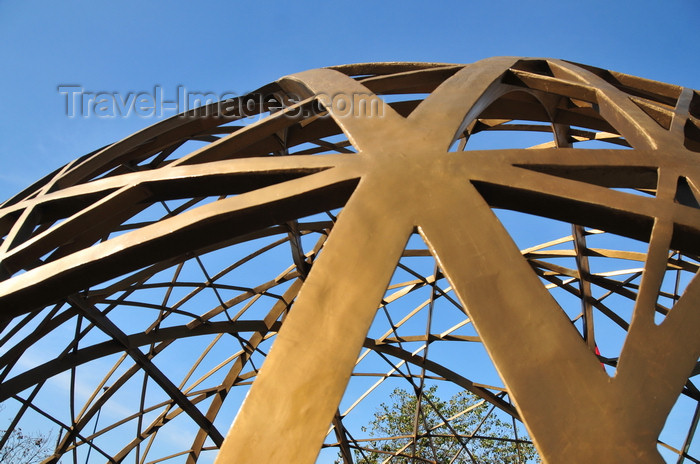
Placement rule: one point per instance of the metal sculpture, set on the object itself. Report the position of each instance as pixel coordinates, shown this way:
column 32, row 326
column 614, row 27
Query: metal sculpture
column 147, row 281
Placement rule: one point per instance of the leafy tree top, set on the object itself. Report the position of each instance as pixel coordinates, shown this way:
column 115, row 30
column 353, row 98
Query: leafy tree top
column 422, row 427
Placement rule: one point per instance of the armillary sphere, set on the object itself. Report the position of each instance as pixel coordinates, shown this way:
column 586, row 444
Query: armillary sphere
column 525, row 230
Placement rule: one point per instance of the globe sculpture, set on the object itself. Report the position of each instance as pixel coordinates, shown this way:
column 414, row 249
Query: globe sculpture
column 249, row 281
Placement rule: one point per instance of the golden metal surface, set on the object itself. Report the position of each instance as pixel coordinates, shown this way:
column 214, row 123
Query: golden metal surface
column 145, row 262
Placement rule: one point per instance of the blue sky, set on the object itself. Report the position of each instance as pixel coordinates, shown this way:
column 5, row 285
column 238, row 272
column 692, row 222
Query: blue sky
column 131, row 46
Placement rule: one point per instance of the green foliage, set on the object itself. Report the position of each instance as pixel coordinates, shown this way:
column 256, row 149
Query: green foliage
column 458, row 430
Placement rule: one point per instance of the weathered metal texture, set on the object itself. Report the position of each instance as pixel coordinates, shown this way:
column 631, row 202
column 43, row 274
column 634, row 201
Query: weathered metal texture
column 116, row 264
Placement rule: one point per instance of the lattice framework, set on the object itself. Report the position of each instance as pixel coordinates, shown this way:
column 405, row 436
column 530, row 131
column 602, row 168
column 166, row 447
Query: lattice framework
column 147, row 281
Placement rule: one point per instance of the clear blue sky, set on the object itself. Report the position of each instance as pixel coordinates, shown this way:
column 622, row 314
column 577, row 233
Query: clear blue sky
column 130, row 46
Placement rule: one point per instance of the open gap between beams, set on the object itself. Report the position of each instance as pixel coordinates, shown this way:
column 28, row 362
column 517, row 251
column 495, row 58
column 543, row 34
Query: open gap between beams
column 666, row 94
column 516, row 105
column 577, row 103
column 410, row 81
column 659, row 114
column 593, row 278
column 126, row 394
column 673, row 284
column 241, row 280
column 687, row 193
column 419, row 309
column 692, row 135
column 496, row 134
